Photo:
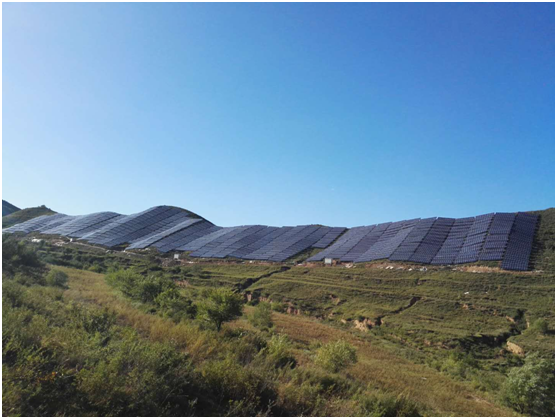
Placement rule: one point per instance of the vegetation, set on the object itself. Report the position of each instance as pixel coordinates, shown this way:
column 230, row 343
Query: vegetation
column 56, row 278
column 93, row 332
column 261, row 316
column 530, row 389
column 336, row 356
column 218, row 306
column 25, row 215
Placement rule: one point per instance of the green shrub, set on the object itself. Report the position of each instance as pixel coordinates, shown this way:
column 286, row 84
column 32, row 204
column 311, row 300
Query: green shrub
column 148, row 288
column 260, row 317
column 17, row 255
column 219, row 305
column 278, row 351
column 138, row 379
column 459, row 364
column 173, row 304
column 12, row 293
column 124, row 280
column 247, row 347
column 540, row 326
column 57, row 278
column 336, row 356
column 96, row 268
column 383, row 405
column 247, row 393
column 144, row 288
column 530, row 389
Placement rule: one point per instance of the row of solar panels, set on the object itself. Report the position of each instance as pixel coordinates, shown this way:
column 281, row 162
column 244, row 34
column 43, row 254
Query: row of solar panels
column 442, row 241
column 169, row 228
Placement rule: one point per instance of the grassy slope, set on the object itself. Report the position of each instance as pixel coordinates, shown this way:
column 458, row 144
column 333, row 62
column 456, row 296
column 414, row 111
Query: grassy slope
column 24, row 215
column 8, row 208
column 465, row 308
column 440, row 394
column 461, row 293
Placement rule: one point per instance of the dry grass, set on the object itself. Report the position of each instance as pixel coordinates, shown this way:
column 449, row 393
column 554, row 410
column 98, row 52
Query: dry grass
column 384, row 370
column 89, row 287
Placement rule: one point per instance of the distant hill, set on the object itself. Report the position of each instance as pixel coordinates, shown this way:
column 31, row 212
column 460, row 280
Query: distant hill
column 24, row 215
column 8, row 208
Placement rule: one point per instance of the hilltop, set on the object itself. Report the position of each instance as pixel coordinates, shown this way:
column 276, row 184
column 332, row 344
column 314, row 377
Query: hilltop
column 8, row 208
column 26, row 214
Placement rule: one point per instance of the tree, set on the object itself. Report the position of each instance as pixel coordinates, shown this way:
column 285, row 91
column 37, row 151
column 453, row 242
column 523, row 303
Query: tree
column 336, row 356
column 530, row 389
column 220, row 305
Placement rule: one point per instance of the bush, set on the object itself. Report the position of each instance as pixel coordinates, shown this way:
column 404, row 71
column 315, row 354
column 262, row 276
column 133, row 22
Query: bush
column 459, row 364
column 336, row 356
column 261, row 316
column 17, row 254
column 172, row 304
column 57, row 278
column 95, row 268
column 540, row 326
column 219, row 305
column 144, row 288
column 383, row 405
column 530, row 389
column 125, row 280
column 148, row 288
column 278, row 351
column 138, row 379
column 247, row 393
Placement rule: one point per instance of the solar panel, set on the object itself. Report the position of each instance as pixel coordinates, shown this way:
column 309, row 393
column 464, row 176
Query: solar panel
column 409, row 245
column 389, row 241
column 521, row 238
column 498, row 236
column 473, row 244
column 501, row 236
column 433, row 241
column 331, row 236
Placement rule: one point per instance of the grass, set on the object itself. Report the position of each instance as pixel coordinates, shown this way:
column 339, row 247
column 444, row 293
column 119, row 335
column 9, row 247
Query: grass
column 385, row 370
column 450, row 304
column 438, row 340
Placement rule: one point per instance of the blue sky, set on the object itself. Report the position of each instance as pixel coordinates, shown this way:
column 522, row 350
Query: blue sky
column 280, row 114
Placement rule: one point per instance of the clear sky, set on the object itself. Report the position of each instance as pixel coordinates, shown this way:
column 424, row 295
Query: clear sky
column 280, row 114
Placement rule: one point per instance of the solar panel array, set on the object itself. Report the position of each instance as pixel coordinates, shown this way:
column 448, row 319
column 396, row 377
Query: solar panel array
column 169, row 228
column 453, row 243
column 500, row 236
column 521, row 238
column 440, row 241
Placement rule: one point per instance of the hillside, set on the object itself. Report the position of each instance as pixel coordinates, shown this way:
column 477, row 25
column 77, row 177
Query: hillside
column 25, row 215
column 435, row 342
column 8, row 208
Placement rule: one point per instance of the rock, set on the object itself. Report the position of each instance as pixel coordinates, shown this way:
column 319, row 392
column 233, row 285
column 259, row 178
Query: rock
column 365, row 324
column 515, row 349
